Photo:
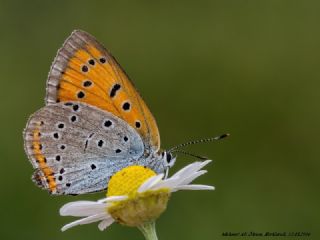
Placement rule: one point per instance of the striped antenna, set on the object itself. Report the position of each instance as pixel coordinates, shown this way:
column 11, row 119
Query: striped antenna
column 204, row 140
column 191, row 154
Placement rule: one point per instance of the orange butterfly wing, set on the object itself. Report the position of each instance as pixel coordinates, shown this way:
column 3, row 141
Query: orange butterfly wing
column 85, row 71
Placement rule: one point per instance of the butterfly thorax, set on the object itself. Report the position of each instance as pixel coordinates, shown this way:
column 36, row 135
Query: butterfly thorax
column 160, row 161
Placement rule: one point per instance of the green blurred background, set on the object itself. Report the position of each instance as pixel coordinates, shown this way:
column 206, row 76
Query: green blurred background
column 250, row 68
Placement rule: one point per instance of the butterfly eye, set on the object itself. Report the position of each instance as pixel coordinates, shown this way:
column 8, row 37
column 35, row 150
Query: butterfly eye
column 169, row 157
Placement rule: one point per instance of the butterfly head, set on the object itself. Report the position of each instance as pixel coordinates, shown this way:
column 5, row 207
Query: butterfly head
column 168, row 159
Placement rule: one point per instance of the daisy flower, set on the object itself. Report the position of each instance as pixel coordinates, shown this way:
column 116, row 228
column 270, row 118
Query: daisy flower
column 136, row 197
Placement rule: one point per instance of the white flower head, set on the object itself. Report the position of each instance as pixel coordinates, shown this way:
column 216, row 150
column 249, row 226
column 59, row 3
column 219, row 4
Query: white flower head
column 136, row 195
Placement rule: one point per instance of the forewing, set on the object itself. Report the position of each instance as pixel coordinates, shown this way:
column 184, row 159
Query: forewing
column 85, row 71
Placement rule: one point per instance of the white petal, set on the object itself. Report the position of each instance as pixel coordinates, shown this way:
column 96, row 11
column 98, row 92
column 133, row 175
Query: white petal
column 174, row 182
column 150, row 182
column 112, row 199
column 90, row 219
column 185, row 176
column 193, row 167
column 116, row 198
column 185, row 169
column 82, row 208
column 193, row 187
column 103, row 200
column 192, row 177
column 105, row 223
column 167, row 183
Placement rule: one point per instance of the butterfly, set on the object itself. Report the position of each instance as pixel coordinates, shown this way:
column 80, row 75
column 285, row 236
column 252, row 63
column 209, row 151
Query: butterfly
column 94, row 123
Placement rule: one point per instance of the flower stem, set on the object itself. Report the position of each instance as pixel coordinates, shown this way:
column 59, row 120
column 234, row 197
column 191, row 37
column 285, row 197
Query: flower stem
column 148, row 229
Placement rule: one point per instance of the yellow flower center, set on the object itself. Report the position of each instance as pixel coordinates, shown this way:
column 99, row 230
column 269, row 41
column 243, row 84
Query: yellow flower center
column 139, row 208
column 128, row 180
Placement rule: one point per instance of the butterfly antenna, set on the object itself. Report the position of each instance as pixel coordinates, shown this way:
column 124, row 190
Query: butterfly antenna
column 191, row 154
column 204, row 140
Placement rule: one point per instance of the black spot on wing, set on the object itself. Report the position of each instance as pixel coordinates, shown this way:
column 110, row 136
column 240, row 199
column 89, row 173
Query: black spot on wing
column 114, row 90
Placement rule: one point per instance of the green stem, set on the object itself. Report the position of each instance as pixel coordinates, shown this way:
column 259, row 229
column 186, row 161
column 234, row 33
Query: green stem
column 148, row 229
